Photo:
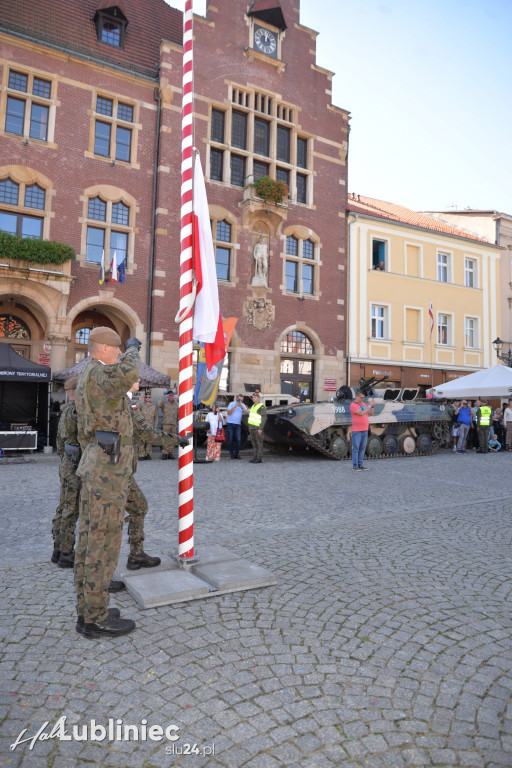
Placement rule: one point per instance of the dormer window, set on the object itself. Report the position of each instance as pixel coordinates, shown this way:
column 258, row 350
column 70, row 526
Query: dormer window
column 111, row 23
column 111, row 33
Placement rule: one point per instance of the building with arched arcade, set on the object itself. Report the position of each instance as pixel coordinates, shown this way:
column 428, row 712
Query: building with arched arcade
column 90, row 143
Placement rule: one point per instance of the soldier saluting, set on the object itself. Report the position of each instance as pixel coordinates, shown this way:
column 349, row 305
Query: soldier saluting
column 105, row 433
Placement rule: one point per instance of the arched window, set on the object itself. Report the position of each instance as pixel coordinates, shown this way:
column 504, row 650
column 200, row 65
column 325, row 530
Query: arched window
column 11, row 327
column 297, row 371
column 14, row 200
column 81, row 342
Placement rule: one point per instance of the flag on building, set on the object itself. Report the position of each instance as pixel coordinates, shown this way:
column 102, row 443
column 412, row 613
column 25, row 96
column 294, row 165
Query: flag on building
column 431, row 313
column 208, row 379
column 113, row 269
column 207, row 327
column 102, row 268
column 122, row 271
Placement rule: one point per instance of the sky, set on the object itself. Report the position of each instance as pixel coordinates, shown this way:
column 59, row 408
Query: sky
column 428, row 84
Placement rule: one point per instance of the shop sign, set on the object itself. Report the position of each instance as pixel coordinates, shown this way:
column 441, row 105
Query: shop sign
column 330, row 385
column 44, row 359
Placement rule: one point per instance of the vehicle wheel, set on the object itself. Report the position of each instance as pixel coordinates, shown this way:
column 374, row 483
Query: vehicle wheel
column 390, row 445
column 407, row 444
column 439, row 431
column 424, row 443
column 339, row 447
column 374, row 446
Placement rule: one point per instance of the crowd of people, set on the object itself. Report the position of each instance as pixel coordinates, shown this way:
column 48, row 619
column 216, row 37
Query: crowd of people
column 478, row 427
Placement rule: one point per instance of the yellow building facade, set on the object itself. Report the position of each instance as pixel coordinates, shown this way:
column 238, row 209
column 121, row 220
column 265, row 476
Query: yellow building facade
column 400, row 264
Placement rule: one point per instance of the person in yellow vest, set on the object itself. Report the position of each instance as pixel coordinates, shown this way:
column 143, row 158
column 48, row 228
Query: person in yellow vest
column 483, row 425
column 257, row 419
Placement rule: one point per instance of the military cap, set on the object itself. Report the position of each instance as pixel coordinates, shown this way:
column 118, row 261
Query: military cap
column 104, row 335
column 71, row 383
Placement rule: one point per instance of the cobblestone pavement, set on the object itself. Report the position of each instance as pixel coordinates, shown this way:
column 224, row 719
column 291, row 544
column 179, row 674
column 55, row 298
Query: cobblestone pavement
column 386, row 642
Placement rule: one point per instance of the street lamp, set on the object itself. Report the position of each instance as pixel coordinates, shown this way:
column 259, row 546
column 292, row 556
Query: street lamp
column 506, row 357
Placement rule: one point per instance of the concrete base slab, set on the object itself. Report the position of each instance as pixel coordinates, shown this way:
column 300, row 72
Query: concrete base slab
column 165, row 587
column 217, row 571
column 234, row 575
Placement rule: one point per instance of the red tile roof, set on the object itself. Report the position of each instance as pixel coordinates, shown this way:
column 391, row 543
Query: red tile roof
column 392, row 212
column 70, row 26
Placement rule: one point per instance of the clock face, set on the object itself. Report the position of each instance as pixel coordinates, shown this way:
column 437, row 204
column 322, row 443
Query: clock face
column 265, row 41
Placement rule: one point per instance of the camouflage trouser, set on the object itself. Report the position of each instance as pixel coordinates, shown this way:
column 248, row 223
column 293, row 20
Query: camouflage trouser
column 136, row 509
column 169, row 429
column 100, row 531
column 257, row 442
column 66, row 514
column 145, row 449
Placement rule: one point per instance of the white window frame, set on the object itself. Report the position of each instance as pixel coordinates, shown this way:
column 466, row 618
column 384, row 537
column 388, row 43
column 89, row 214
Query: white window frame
column 475, row 331
column 447, row 266
column 449, row 329
column 473, row 271
column 386, row 320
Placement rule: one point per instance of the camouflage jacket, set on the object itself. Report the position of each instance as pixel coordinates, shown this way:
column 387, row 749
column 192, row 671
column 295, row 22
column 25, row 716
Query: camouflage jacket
column 169, row 411
column 146, row 433
column 67, row 431
column 101, row 404
column 150, row 413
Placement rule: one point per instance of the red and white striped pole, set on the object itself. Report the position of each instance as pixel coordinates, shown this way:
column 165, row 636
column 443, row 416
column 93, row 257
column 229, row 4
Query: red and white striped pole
column 186, row 465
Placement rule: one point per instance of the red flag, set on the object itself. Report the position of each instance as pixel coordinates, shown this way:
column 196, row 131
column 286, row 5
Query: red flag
column 113, row 269
column 431, row 313
column 207, row 318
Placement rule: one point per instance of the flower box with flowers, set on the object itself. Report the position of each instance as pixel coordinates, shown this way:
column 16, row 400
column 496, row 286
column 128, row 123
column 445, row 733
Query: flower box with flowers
column 270, row 190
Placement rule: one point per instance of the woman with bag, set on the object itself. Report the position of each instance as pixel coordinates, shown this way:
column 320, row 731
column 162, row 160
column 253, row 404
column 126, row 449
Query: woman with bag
column 215, row 434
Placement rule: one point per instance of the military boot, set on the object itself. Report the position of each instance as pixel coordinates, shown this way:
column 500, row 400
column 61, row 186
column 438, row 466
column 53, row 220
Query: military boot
column 110, row 627
column 113, row 613
column 66, row 560
column 116, row 586
column 141, row 560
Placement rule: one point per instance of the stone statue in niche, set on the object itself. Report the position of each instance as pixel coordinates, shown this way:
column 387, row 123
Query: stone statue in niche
column 259, row 313
column 260, row 256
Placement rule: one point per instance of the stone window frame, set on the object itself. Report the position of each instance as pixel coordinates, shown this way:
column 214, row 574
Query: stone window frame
column 302, row 234
column 26, row 177
column 258, row 104
column 114, row 121
column 475, row 331
column 109, row 195
column 218, row 214
column 30, row 98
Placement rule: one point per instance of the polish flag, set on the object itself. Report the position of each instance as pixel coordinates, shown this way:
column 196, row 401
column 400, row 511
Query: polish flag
column 207, row 326
column 431, row 313
column 113, row 268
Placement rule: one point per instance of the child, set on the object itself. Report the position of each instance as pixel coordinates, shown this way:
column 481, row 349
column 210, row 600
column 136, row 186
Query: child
column 494, row 445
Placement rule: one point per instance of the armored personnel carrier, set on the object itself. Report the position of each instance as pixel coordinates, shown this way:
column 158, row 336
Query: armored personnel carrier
column 403, row 424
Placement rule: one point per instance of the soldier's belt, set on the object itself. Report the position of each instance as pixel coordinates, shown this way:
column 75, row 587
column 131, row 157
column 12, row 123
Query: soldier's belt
column 110, row 443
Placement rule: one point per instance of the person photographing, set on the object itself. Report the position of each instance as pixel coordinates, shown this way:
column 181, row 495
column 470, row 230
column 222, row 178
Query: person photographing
column 360, row 413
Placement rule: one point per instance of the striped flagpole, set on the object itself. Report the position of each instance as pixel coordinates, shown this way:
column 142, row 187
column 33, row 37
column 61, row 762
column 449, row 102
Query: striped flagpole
column 186, row 466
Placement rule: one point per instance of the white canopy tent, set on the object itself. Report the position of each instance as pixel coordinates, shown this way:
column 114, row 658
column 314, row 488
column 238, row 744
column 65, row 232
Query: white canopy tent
column 492, row 382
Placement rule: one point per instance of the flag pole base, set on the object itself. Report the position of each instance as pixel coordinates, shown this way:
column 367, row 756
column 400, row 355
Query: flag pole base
column 219, row 572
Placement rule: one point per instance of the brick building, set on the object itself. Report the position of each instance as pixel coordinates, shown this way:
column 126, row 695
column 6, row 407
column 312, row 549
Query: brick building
column 90, row 143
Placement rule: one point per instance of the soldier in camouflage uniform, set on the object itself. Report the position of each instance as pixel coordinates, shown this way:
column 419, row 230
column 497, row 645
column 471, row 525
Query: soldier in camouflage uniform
column 66, row 515
column 137, row 505
column 105, row 434
column 169, row 408
column 150, row 414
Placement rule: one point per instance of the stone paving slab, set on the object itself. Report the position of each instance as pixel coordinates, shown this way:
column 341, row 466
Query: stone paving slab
column 387, row 640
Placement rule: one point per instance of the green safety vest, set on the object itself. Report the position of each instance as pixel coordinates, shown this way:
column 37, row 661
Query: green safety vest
column 485, row 416
column 254, row 417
